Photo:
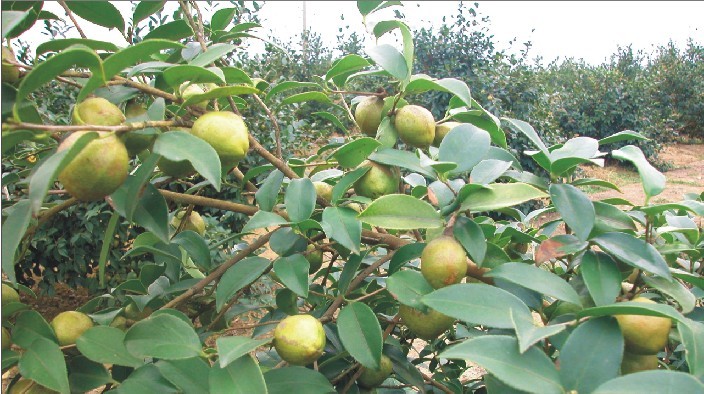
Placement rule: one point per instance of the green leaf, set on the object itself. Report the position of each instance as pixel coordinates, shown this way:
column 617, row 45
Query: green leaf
column 222, row 18
column 524, row 128
column 106, row 345
column 472, row 238
column 422, row 83
column 500, row 195
column 534, row 278
column 232, row 348
column 367, row 7
column 478, row 304
column 85, row 375
column 99, row 12
column 300, row 199
column 692, row 334
column 152, row 212
column 42, row 73
column 331, row 118
column 633, row 251
column 175, row 31
column 285, row 242
column 145, row 9
column 214, row 52
column 399, row 158
column 306, row 381
column 61, row 44
column 288, row 85
column 632, row 308
column 487, row 171
column 346, row 182
column 43, row 362
column 178, row 74
column 13, row 229
column 268, row 193
column 237, row 277
column 386, row 26
column 591, row 355
column 408, row 287
column 390, row 59
column 263, row 219
column 355, row 152
column 180, row 145
column 653, row 180
column 29, row 327
column 595, row 182
column 609, row 218
column 305, row 97
column 405, row 254
column 529, row 333
column 455, row 147
column 401, row 212
column 163, row 336
column 341, row 225
column 127, row 57
column 146, row 380
column 242, row 376
column 576, row 209
column 196, row 247
column 624, row 135
column 602, row 277
column 663, row 382
column 574, row 152
column 674, row 289
column 108, row 237
column 189, row 375
column 293, row 272
column 217, row 93
column 531, row 371
column 343, row 68
column 11, row 20
column 360, row 333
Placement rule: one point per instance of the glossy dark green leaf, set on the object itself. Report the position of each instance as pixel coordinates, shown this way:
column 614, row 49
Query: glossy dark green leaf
column 11, row 20
column 263, row 219
column 346, row 182
column 190, row 375
column 288, row 85
column 499, row 195
column 306, row 381
column 108, row 238
column 367, row 7
column 472, row 238
column 454, row 147
column 534, row 278
column 152, row 212
column 99, row 12
column 268, row 193
column 526, row 129
column 478, row 304
column 146, row 379
column 355, row 152
column 232, row 348
column 531, row 371
column 575, row 208
column 624, row 135
column 285, row 242
column 422, row 83
column 144, row 9
column 242, row 376
column 674, row 289
column 529, row 332
column 345, row 67
column 602, row 277
column 106, row 345
column 633, row 251
column 222, row 18
column 214, row 52
column 163, row 336
column 390, row 59
column 653, row 180
column 61, row 44
column 237, row 277
column 595, row 182
column 30, row 326
column 408, row 287
column 43, row 362
column 591, row 355
column 609, row 218
column 178, row 74
column 398, row 158
column 13, row 229
column 300, row 199
column 195, row 246
column 85, row 375
column 665, row 382
column 487, row 171
column 221, row 92
column 633, row 308
column 575, row 151
column 401, row 212
column 341, row 225
column 405, row 254
column 293, row 272
column 332, row 119
column 180, row 145
column 360, row 333
column 692, row 334
column 175, row 30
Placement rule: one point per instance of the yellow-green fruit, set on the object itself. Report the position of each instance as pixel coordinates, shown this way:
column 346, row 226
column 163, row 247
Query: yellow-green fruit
column 119, row 322
column 415, row 126
column 136, row 141
column 26, row 386
column 227, row 133
column 188, row 91
column 98, row 170
column 443, row 262
column 638, row 362
column 10, row 72
column 299, row 339
column 323, row 190
column 194, row 223
column 315, row 258
column 441, row 131
column 97, row 111
column 133, row 313
column 9, row 294
column 371, row 378
column 70, row 325
column 355, row 206
column 6, row 339
column 380, row 180
column 368, row 115
column 425, row 325
column 644, row 334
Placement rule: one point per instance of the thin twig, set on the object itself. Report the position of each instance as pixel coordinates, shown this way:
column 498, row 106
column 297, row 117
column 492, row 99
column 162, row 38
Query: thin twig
column 117, row 129
column 275, row 124
column 194, row 26
column 70, row 15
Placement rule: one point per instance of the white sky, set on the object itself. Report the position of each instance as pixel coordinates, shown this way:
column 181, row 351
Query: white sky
column 589, row 30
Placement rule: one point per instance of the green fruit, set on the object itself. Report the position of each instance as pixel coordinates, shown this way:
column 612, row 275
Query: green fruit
column 134, row 109
column 194, row 223
column 188, row 90
column 70, row 325
column 6, row 339
column 371, row 378
column 323, row 190
column 441, row 131
column 355, row 206
column 9, row 294
column 26, row 386
column 119, row 322
column 638, row 362
column 133, row 313
column 415, row 126
column 380, row 180
column 97, row 111
column 642, row 334
column 368, row 115
column 443, row 262
column 98, row 170
column 299, row 339
column 227, row 133
column 10, row 72
column 315, row 258
column 426, row 326
column 137, row 141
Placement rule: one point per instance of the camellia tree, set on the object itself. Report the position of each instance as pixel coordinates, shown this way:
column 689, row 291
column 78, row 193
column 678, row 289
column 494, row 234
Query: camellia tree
column 400, row 259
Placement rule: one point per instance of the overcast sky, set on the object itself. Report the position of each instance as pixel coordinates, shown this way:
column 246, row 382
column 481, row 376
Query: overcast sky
column 589, row 30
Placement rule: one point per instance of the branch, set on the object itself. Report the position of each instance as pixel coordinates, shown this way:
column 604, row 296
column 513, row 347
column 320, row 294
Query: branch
column 117, row 129
column 70, row 15
column 194, row 26
column 277, row 130
column 209, row 202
